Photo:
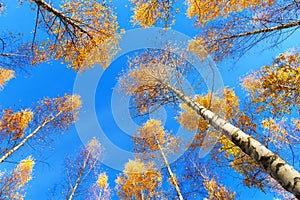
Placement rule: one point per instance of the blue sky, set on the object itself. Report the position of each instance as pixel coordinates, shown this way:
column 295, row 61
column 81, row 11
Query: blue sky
column 55, row 79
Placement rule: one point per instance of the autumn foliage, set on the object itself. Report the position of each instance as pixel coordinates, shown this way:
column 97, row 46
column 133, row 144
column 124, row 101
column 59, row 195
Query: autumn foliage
column 250, row 135
column 13, row 125
column 139, row 180
column 49, row 115
column 81, row 173
column 152, row 136
column 81, row 34
column 234, row 27
column 5, row 75
column 273, row 86
column 149, row 13
column 205, row 10
column 12, row 185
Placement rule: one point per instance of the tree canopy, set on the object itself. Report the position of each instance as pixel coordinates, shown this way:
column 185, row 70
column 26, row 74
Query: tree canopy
column 248, row 130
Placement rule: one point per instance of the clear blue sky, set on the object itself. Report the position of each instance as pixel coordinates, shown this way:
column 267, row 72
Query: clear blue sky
column 54, row 79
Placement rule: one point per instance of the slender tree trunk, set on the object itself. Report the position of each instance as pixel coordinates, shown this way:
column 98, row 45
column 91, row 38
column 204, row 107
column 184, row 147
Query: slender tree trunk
column 76, row 184
column 12, row 55
column 276, row 167
column 174, row 180
column 18, row 146
column 266, row 30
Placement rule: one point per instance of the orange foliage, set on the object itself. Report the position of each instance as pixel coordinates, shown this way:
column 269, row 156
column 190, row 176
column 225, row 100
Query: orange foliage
column 228, row 32
column 207, row 10
column 297, row 124
column 5, row 75
column 148, row 13
column 142, row 81
column 152, row 136
column 65, row 108
column 228, row 106
column 275, row 87
column 24, row 170
column 82, row 34
column 100, row 190
column 216, row 191
column 94, row 148
column 138, row 179
column 242, row 163
column 276, row 132
column 50, row 115
column 12, row 185
column 15, row 123
column 196, row 46
column 102, row 180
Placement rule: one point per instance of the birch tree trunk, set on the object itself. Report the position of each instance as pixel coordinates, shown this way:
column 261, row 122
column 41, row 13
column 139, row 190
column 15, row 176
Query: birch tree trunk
column 266, row 30
column 20, row 144
column 276, row 167
column 174, row 180
column 79, row 176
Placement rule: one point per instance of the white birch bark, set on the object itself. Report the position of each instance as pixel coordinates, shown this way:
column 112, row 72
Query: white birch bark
column 29, row 136
column 275, row 166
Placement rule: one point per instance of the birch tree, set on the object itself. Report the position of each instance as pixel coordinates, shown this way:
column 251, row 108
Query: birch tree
column 80, row 172
column 269, row 113
column 139, row 180
column 12, row 184
column 100, row 190
column 204, row 11
column 50, row 115
column 239, row 30
column 152, row 137
column 149, row 13
column 275, row 87
column 217, row 191
column 272, row 134
column 203, row 180
column 72, row 33
column 150, row 81
column 75, row 30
